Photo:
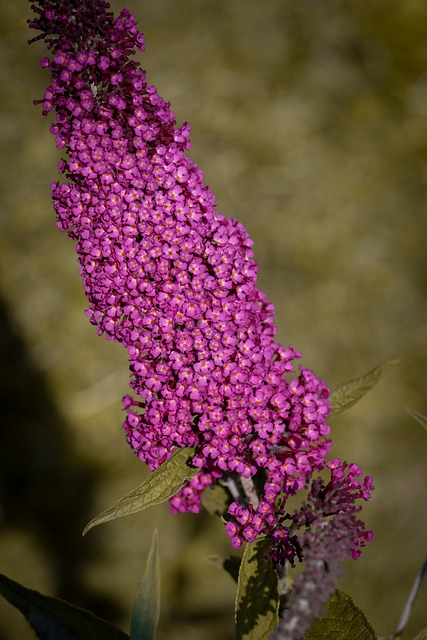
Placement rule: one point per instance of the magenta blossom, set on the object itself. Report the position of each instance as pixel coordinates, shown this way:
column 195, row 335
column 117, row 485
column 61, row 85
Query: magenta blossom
column 175, row 283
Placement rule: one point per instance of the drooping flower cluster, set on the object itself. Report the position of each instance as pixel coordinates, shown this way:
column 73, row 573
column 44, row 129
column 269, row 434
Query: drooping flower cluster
column 330, row 534
column 174, row 282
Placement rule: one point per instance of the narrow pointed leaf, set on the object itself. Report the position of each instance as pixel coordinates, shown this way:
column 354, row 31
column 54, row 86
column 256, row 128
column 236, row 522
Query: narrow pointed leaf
column 230, row 564
column 160, row 485
column 407, row 609
column 342, row 620
column 146, row 611
column 422, row 635
column 54, row 619
column 257, row 600
column 419, row 417
column 346, row 394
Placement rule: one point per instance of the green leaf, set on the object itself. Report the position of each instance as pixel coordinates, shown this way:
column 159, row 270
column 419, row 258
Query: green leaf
column 346, row 394
column 215, row 500
column 422, row 635
column 257, row 600
column 146, row 611
column 56, row 619
column 231, row 565
column 343, row 620
column 419, row 417
column 160, row 485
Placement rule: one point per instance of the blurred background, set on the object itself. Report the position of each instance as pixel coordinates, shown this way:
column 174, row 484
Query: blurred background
column 309, row 122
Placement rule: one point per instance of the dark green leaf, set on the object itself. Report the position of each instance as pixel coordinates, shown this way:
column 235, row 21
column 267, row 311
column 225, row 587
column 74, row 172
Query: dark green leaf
column 160, row 485
column 146, row 611
column 215, row 500
column 419, row 417
column 346, row 394
column 231, row 565
column 54, row 619
column 257, row 600
column 342, row 621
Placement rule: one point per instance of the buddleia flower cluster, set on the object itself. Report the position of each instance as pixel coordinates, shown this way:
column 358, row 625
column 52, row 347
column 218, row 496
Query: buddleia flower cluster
column 175, row 282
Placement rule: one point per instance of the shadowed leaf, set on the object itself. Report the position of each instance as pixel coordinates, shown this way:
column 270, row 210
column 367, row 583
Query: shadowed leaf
column 422, row 635
column 215, row 500
column 160, row 485
column 419, row 417
column 146, row 611
column 345, row 394
column 342, row 620
column 257, row 599
column 230, row 564
column 54, row 619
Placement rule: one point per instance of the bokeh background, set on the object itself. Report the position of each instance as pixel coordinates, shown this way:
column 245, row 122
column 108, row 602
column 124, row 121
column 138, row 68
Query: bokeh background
column 309, row 121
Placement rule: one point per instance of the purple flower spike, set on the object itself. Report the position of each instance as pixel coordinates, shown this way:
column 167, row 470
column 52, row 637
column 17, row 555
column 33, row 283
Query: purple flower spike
column 174, row 281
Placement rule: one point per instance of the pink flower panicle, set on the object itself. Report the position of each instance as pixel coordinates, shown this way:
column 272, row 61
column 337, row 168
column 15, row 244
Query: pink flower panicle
column 172, row 280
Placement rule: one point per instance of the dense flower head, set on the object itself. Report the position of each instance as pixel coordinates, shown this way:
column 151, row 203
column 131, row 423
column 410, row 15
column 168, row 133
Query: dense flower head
column 174, row 281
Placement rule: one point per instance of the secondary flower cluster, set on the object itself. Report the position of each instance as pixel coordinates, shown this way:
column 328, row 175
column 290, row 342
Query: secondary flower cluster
column 174, row 281
column 330, row 533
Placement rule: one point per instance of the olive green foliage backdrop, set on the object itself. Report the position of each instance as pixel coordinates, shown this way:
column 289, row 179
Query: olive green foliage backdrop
column 309, row 121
